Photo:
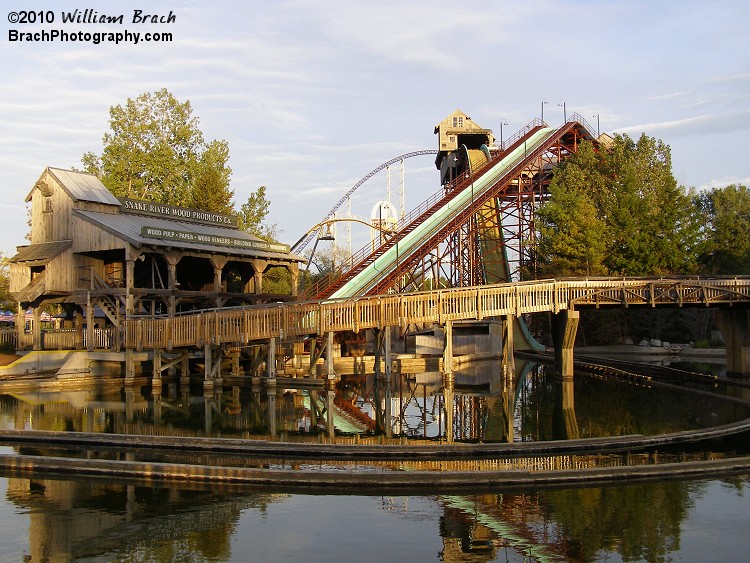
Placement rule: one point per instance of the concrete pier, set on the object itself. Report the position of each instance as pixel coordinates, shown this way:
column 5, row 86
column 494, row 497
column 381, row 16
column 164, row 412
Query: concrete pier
column 734, row 325
column 564, row 328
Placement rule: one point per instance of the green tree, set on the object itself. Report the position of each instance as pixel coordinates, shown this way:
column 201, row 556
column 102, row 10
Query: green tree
column 155, row 151
column 654, row 229
column 618, row 211
column 7, row 303
column 726, row 244
column 252, row 214
column 572, row 237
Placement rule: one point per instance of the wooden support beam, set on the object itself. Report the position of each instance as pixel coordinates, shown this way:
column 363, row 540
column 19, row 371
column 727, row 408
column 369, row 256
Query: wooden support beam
column 271, row 361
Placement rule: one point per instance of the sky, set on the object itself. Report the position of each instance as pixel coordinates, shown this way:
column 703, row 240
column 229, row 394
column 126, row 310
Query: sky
column 313, row 95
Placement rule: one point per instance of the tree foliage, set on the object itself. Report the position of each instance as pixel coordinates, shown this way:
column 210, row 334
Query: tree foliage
column 253, row 212
column 7, row 303
column 155, row 151
column 726, row 217
column 618, row 211
column 573, row 238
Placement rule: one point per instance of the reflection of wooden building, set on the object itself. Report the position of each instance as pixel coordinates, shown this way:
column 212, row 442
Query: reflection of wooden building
column 91, row 252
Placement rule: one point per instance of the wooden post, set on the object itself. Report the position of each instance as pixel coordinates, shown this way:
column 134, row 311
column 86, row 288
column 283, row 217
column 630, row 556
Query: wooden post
column 129, row 280
column 448, row 381
column 36, row 328
column 448, row 348
column 185, row 371
column 295, row 279
column 89, row 323
column 208, row 368
column 448, row 388
column 271, row 361
column 330, row 373
column 156, row 373
column 129, row 367
column 387, row 351
column 20, row 326
column 272, row 410
column 259, row 266
column 330, row 394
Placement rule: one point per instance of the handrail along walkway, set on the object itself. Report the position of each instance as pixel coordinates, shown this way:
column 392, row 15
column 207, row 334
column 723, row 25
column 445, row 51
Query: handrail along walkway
column 244, row 325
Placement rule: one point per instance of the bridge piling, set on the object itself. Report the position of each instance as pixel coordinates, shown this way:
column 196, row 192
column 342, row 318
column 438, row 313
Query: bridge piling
column 448, row 348
column 734, row 325
column 564, row 328
column 157, row 369
column 508, row 362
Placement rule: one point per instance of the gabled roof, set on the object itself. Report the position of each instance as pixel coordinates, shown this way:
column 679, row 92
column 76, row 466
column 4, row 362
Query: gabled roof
column 81, row 186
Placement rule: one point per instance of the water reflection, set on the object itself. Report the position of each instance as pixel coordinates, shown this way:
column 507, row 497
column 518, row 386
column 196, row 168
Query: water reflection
column 76, row 520
column 108, row 519
column 476, row 404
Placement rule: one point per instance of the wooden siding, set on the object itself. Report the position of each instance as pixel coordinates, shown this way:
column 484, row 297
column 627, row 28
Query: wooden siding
column 92, row 238
column 50, row 215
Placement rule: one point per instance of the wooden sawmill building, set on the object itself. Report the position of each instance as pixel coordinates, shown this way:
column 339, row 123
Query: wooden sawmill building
column 103, row 259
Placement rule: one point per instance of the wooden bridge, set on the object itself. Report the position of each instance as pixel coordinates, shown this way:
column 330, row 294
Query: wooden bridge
column 264, row 324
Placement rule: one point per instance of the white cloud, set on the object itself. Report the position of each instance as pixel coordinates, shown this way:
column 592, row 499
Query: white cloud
column 311, row 96
column 698, row 125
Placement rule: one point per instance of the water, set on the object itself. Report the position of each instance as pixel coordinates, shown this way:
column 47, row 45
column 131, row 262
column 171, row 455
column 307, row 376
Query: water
column 536, row 406
column 83, row 521
column 108, row 519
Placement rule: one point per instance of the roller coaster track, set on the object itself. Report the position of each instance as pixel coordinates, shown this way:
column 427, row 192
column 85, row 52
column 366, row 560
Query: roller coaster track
column 305, row 240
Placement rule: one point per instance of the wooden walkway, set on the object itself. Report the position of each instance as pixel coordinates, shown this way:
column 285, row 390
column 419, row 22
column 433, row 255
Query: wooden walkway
column 253, row 324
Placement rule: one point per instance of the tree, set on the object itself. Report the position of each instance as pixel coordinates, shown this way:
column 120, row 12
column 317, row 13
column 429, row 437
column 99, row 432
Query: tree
column 155, row 151
column 253, row 212
column 726, row 244
column 211, row 186
column 7, row 302
column 618, row 211
column 653, row 225
column 572, row 237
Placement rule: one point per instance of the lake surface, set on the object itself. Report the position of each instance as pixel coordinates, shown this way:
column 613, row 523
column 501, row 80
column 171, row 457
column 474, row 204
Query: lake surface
column 70, row 519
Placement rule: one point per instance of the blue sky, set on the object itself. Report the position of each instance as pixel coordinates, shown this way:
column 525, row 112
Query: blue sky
column 311, row 96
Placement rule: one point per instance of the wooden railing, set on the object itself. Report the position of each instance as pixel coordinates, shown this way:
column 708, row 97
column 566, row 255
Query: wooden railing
column 61, row 339
column 287, row 320
column 8, row 337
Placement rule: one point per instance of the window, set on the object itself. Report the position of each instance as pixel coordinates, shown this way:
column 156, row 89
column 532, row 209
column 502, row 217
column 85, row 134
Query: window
column 458, row 121
column 47, row 204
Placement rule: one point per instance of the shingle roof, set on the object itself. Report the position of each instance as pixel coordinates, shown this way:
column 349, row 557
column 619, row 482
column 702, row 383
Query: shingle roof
column 41, row 252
